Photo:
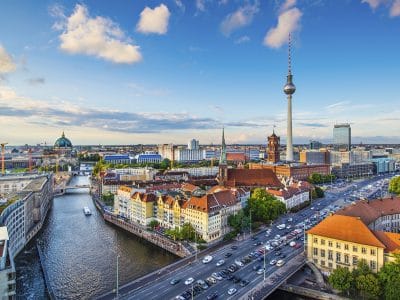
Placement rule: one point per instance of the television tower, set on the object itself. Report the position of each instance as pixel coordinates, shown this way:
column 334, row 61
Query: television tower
column 289, row 90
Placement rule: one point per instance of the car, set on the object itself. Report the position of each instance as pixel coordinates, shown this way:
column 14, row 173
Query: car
column 228, row 254
column 180, row 297
column 280, row 263
column 244, row 282
column 278, row 253
column 232, row 291
column 220, row 262
column 297, row 246
column 254, row 238
column 257, row 243
column 290, row 220
column 236, row 279
column 292, row 244
column 174, row 281
column 234, row 247
column 282, row 255
column 189, row 280
column 239, row 263
column 260, row 258
column 260, row 271
column 207, row 259
column 216, row 276
column 202, row 284
column 223, row 273
column 272, row 262
column 230, row 277
column 211, row 280
column 212, row 296
column 256, row 267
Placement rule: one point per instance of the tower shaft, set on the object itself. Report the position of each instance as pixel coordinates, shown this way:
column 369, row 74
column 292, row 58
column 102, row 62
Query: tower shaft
column 289, row 135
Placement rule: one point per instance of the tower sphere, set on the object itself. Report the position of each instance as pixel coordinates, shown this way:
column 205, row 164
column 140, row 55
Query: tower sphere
column 289, row 88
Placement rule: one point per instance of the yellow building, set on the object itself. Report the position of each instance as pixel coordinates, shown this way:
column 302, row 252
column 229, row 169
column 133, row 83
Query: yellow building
column 169, row 211
column 341, row 240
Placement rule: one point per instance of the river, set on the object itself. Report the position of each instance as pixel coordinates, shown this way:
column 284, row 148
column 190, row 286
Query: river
column 80, row 253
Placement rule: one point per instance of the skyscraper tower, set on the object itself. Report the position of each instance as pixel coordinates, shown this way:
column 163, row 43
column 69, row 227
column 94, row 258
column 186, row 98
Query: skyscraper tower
column 289, row 90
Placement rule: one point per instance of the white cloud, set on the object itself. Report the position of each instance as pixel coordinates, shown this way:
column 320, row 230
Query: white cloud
column 242, row 39
column 288, row 4
column 97, row 36
column 154, row 20
column 180, row 4
column 373, row 3
column 7, row 65
column 395, row 9
column 240, row 18
column 201, row 5
column 288, row 22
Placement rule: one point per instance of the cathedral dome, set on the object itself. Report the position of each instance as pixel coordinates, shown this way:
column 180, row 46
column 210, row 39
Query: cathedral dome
column 63, row 142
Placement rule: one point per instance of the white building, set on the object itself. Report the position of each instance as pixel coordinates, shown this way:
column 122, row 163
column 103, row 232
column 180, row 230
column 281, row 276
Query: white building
column 293, row 195
column 7, row 268
column 193, row 144
column 188, row 155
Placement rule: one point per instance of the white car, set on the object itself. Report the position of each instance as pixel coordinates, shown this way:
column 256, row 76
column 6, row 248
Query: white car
column 190, row 280
column 280, row 263
column 232, row 291
column 260, row 271
column 207, row 259
column 220, row 262
column 239, row 263
column 216, row 276
column 272, row 262
column 292, row 244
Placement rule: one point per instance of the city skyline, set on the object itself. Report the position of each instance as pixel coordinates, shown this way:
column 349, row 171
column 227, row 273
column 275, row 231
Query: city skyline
column 167, row 71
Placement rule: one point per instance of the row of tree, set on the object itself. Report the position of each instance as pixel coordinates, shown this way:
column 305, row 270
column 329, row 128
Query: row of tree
column 186, row 233
column 261, row 208
column 317, row 178
column 362, row 282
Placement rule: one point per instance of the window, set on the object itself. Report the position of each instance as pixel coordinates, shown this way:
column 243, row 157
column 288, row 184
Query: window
column 322, row 263
column 338, row 256
column 322, row 253
column 355, row 249
column 346, row 246
column 363, row 250
column 355, row 260
column 315, row 250
column 330, row 254
column 315, row 261
column 315, row 240
column 346, row 259
column 322, row 242
column 373, row 252
column 372, row 264
column 337, row 245
column 330, row 265
column 330, row 244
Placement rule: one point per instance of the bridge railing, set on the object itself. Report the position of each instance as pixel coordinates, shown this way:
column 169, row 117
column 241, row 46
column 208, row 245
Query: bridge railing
column 267, row 286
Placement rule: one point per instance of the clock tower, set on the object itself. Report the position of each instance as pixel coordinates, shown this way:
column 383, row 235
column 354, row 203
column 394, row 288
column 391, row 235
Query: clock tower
column 273, row 148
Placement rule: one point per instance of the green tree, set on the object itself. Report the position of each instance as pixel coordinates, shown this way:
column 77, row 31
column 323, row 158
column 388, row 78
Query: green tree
column 263, row 206
column 341, row 279
column 165, row 164
column 394, row 185
column 388, row 277
column 153, row 224
column 108, row 199
column 368, row 286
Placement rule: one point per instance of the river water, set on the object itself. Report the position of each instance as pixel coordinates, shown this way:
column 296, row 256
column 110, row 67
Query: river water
column 80, row 253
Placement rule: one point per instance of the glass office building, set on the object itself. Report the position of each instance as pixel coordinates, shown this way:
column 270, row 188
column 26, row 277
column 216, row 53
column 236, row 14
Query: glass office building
column 342, row 137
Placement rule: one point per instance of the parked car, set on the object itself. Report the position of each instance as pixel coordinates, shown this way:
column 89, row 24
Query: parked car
column 189, row 280
column 220, row 262
column 272, row 262
column 228, row 254
column 232, row 291
column 212, row 296
column 280, row 263
column 207, row 259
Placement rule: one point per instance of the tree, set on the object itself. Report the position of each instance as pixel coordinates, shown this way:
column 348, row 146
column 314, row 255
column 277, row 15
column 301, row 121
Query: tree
column 263, row 206
column 368, row 286
column 153, row 224
column 341, row 279
column 108, row 199
column 388, row 277
column 165, row 164
column 188, row 232
column 394, row 185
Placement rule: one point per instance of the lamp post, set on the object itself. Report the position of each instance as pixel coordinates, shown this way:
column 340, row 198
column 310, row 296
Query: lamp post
column 192, row 292
column 195, row 243
column 250, row 222
column 304, row 237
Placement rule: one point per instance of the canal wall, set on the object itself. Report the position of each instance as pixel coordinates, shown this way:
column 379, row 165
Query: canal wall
column 49, row 289
column 310, row 293
column 161, row 241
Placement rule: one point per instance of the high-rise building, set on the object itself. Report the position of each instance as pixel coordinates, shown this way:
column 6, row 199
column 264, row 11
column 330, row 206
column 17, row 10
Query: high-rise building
column 342, row 137
column 289, row 90
column 193, row 144
column 315, row 145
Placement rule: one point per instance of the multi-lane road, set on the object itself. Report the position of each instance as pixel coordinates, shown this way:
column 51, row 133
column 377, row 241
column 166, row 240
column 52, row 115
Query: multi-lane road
column 161, row 288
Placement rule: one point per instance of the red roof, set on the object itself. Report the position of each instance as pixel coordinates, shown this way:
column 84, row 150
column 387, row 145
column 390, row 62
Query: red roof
column 212, row 201
column 252, row 177
column 235, row 157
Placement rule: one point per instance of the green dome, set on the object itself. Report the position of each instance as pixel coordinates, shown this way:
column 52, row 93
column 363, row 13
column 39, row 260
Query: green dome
column 63, row 142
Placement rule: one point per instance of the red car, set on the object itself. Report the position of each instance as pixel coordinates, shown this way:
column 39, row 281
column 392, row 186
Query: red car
column 297, row 246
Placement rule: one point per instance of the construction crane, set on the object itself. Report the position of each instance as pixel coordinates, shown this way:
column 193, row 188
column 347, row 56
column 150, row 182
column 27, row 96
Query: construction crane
column 3, row 145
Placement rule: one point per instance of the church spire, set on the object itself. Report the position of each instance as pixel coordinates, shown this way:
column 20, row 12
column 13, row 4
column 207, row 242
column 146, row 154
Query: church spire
column 222, row 159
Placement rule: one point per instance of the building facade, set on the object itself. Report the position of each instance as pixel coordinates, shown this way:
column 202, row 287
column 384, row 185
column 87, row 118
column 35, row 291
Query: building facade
column 342, row 137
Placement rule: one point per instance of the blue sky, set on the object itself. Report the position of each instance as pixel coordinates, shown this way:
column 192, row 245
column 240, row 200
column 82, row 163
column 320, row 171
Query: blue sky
column 112, row 72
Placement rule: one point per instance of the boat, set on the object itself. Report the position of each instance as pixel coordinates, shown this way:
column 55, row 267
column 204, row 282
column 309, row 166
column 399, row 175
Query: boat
column 87, row 211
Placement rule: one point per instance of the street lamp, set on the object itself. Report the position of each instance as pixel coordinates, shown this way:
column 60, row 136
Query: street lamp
column 265, row 250
column 192, row 292
column 117, row 292
column 250, row 222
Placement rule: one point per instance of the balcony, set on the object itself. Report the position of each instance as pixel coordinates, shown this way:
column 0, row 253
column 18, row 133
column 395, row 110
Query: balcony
column 342, row 263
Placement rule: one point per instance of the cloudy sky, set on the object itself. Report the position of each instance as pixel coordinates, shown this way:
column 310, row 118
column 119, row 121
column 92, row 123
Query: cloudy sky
column 127, row 72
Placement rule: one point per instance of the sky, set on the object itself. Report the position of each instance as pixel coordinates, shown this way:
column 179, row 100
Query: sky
column 130, row 72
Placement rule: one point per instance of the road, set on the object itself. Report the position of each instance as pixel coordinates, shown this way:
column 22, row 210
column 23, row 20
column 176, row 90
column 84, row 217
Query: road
column 161, row 288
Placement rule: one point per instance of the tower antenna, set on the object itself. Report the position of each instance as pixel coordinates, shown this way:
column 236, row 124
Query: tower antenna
column 290, row 54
